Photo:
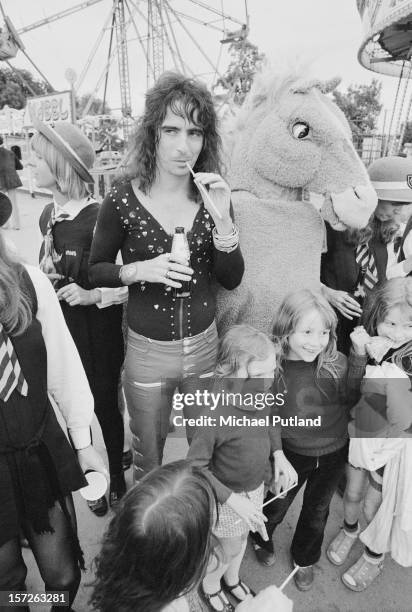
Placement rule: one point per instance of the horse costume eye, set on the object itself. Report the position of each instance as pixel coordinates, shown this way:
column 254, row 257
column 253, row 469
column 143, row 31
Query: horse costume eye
column 300, row 130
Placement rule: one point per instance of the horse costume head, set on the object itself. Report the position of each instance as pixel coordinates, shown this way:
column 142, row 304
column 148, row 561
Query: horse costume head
column 292, row 166
column 292, row 141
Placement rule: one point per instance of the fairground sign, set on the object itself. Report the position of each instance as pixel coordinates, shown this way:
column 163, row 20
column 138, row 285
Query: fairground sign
column 49, row 108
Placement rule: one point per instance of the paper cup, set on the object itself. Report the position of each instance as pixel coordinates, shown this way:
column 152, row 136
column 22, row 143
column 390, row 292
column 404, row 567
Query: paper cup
column 96, row 488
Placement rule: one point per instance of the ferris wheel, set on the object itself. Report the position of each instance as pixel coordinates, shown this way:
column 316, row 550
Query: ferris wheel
column 387, row 49
column 158, row 34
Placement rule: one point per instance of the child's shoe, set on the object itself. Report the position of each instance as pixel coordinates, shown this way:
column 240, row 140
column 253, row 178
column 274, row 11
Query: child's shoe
column 216, row 602
column 117, row 489
column 264, row 556
column 243, row 590
column 363, row 572
column 304, row 577
column 99, row 507
column 340, row 547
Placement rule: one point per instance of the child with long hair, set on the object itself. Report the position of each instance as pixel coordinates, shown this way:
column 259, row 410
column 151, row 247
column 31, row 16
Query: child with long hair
column 38, row 467
column 392, row 239
column 159, row 544
column 380, row 457
column 312, row 377
column 236, row 455
column 130, row 573
column 62, row 157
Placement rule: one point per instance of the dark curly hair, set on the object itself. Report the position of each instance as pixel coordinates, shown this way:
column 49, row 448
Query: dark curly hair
column 159, row 543
column 356, row 237
column 384, row 231
column 187, row 98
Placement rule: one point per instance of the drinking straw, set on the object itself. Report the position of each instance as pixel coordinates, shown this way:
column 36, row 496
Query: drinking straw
column 273, row 499
column 205, row 193
column 279, row 495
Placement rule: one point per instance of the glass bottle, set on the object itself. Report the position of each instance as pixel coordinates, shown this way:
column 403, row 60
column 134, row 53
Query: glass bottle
column 181, row 251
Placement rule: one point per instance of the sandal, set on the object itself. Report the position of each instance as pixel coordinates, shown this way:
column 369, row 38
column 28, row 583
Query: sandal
column 340, row 547
column 227, row 606
column 241, row 585
column 362, row 573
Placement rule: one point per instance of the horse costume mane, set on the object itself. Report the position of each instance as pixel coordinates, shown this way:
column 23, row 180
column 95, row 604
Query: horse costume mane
column 292, row 166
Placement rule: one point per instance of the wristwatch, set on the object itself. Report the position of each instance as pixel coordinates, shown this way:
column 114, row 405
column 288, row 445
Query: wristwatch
column 127, row 272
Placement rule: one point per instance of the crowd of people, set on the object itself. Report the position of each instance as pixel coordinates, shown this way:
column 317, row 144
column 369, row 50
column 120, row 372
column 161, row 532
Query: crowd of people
column 339, row 358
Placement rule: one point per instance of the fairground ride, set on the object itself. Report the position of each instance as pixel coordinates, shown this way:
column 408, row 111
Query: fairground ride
column 387, row 49
column 155, row 27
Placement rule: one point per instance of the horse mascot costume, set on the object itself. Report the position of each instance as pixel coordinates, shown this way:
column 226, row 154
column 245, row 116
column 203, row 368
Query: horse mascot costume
column 292, row 167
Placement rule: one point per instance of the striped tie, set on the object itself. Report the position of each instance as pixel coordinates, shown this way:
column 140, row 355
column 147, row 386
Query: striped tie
column 364, row 257
column 11, row 375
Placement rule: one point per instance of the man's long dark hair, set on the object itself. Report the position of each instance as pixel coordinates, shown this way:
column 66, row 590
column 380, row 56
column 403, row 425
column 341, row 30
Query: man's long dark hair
column 187, row 98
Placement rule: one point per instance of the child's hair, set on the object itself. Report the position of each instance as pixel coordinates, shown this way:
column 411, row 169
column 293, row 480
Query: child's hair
column 67, row 179
column 384, row 231
column 384, row 297
column 293, row 307
column 239, row 346
column 15, row 303
column 158, row 544
column 356, row 237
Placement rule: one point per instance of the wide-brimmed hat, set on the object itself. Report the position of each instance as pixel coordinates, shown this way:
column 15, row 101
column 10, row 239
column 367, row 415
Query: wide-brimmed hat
column 392, row 178
column 75, row 147
column 5, row 209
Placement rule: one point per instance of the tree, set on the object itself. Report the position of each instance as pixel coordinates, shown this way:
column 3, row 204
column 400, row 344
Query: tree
column 96, row 107
column 246, row 61
column 361, row 105
column 17, row 85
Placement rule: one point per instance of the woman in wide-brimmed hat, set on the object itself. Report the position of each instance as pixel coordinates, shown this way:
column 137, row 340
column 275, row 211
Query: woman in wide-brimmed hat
column 62, row 158
column 358, row 259
column 38, row 467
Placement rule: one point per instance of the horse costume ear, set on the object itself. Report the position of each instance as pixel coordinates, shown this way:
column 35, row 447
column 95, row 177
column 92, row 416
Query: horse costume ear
column 324, row 87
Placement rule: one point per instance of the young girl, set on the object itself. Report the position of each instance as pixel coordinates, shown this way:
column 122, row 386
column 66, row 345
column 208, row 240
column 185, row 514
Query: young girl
column 158, row 546
column 312, row 377
column 38, row 467
column 62, row 158
column 379, row 464
column 236, row 456
column 391, row 242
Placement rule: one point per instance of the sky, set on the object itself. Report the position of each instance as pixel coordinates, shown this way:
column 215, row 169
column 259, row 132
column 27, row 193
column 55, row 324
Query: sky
column 326, row 32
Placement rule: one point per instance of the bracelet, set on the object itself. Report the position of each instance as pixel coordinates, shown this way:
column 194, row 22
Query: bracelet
column 226, row 242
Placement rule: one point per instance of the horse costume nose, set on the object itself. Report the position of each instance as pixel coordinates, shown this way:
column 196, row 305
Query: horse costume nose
column 354, row 206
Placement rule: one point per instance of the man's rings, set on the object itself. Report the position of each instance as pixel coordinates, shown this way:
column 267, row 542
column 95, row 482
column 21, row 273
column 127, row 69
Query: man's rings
column 167, row 274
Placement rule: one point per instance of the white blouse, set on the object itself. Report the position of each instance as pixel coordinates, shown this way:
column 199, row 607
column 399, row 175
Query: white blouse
column 393, row 268
column 66, row 379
